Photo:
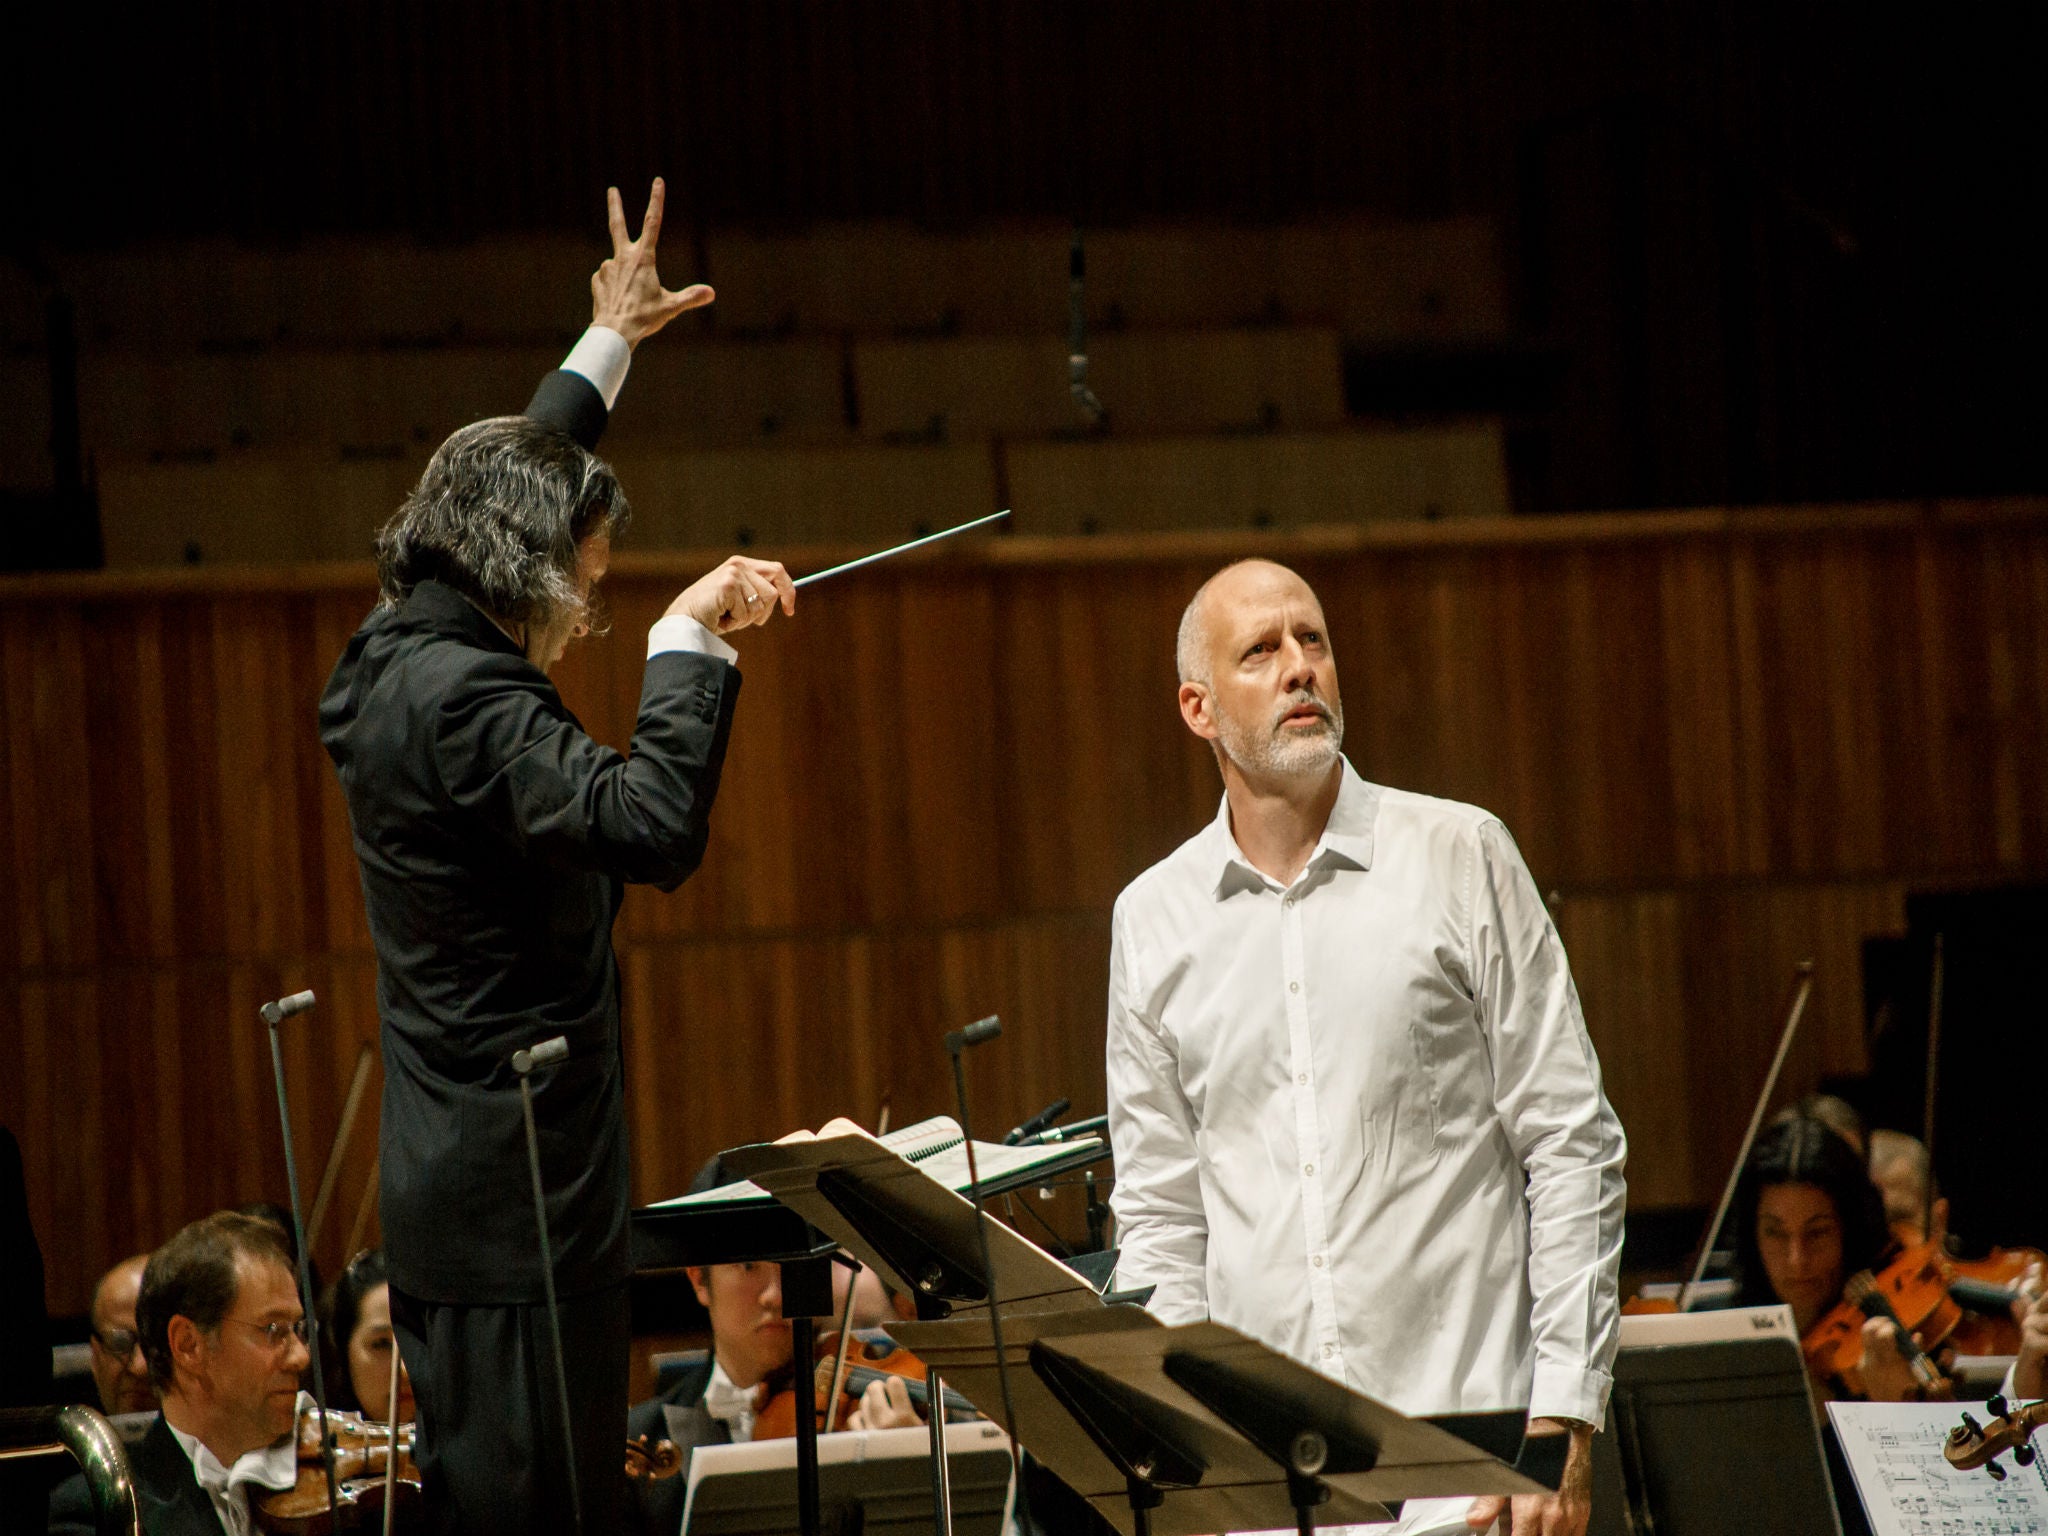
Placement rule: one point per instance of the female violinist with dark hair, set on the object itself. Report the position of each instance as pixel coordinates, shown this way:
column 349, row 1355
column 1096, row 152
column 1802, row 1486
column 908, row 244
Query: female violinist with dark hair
column 356, row 1341
column 1807, row 1219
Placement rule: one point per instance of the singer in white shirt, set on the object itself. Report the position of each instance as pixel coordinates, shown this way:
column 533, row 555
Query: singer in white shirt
column 1354, row 1107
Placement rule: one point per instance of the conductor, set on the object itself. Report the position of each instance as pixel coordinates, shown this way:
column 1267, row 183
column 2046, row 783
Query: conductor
column 495, row 839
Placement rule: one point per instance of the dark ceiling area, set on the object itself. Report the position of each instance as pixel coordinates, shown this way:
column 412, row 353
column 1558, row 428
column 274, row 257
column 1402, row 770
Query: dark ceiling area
column 1770, row 253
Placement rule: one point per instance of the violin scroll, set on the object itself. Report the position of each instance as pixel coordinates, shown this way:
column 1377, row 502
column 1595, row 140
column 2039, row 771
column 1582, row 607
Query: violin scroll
column 1971, row 1445
column 650, row 1460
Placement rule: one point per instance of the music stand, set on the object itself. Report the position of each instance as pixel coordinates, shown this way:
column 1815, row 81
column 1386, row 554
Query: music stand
column 774, row 1235
column 875, row 1483
column 1711, row 1430
column 896, row 1218
column 1241, row 1435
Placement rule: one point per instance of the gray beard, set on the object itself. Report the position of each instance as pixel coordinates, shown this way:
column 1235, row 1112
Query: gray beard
column 1276, row 751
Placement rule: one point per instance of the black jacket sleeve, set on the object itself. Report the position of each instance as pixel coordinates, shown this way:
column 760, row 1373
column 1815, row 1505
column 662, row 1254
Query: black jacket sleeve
column 571, row 402
column 509, row 753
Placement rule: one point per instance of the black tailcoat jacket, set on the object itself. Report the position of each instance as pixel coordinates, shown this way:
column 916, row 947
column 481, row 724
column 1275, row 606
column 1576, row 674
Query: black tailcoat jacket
column 495, row 840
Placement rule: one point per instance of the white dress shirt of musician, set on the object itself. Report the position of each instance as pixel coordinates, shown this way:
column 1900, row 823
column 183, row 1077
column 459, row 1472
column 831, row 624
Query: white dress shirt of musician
column 1354, row 1107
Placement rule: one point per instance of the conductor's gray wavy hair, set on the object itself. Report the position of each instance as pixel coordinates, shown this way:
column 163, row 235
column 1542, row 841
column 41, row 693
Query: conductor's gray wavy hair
column 497, row 516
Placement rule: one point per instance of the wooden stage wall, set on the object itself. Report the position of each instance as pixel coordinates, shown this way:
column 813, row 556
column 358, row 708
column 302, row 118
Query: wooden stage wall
column 1725, row 741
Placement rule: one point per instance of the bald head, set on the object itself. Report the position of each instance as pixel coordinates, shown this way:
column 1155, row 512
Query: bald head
column 1257, row 678
column 118, row 1368
column 1225, row 592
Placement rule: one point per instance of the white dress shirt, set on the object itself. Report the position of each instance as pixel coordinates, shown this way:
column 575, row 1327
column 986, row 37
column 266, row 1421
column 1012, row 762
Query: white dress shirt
column 602, row 356
column 1359, row 1118
column 271, row 1468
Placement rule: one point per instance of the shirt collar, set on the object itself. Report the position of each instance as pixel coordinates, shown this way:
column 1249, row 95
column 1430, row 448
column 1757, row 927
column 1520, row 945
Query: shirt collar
column 1347, row 838
column 273, row 1466
column 729, row 1404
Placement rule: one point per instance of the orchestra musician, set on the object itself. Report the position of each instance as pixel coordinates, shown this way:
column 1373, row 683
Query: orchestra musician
column 495, row 839
column 357, row 1341
column 1904, row 1176
column 1806, row 1218
column 225, row 1337
column 1353, row 1103
column 118, row 1367
column 716, row 1399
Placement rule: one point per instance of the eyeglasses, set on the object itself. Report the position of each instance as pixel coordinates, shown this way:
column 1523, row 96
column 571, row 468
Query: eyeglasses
column 118, row 1342
column 274, row 1334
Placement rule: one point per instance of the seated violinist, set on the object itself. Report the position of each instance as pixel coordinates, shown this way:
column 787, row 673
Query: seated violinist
column 223, row 1332
column 1904, row 1176
column 1807, row 1222
column 356, row 1342
column 717, row 1400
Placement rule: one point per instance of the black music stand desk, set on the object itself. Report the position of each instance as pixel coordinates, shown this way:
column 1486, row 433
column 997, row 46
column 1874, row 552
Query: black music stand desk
column 877, row 1483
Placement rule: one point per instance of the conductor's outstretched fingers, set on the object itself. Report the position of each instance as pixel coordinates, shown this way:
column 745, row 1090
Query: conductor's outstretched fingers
column 626, row 292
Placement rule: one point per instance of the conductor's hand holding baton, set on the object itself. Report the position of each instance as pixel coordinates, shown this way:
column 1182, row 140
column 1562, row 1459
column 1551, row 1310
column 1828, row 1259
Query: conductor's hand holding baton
column 739, row 594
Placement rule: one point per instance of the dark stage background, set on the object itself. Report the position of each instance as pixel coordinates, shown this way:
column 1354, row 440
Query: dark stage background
column 1554, row 267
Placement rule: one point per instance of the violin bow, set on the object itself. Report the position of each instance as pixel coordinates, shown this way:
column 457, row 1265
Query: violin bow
column 1935, row 988
column 343, row 1132
column 845, row 1347
column 1802, row 989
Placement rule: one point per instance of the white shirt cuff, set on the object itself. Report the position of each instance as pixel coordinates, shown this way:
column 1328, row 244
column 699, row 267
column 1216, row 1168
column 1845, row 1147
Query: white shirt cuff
column 1559, row 1392
column 602, row 356
column 680, row 632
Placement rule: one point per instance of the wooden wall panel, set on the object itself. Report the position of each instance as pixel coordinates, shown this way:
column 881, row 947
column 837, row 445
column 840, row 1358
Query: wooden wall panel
column 1726, row 742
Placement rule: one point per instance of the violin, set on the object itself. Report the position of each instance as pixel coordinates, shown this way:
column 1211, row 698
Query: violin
column 1911, row 1289
column 1988, row 1288
column 649, row 1460
column 872, row 1355
column 362, row 1450
column 1971, row 1445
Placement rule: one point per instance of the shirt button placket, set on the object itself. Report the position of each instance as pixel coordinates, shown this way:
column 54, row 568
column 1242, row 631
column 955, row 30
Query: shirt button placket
column 1315, row 1227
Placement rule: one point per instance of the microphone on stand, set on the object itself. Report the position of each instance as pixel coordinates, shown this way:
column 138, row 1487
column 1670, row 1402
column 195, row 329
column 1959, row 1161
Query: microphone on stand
column 524, row 1060
column 957, row 1041
column 1038, row 1122
column 274, row 1014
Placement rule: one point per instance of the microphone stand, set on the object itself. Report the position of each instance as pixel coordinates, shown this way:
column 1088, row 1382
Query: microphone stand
column 274, row 1014
column 523, row 1062
column 957, row 1041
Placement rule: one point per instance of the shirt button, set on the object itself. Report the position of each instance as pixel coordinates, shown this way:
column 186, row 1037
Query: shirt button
column 1309, row 1168
column 1329, row 1350
column 1302, row 1079
column 1294, row 986
column 1319, row 1261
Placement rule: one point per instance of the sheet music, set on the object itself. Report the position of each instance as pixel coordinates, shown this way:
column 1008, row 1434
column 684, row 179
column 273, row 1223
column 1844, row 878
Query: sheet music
column 1909, row 1489
column 844, row 1447
column 1419, row 1517
column 935, row 1145
column 914, row 1143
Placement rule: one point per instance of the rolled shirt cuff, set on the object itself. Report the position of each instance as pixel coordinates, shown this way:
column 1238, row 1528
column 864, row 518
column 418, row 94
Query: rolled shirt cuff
column 680, row 632
column 1561, row 1392
column 602, row 356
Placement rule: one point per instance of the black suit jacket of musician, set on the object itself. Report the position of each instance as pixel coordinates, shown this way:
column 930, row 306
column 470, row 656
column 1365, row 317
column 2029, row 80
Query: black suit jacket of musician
column 167, row 1493
column 495, row 840
column 656, row 1508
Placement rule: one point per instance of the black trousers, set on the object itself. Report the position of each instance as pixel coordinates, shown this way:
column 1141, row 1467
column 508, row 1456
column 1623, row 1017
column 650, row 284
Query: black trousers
column 490, row 1426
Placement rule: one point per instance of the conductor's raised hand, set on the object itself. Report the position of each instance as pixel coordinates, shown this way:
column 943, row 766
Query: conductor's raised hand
column 625, row 291
column 738, row 594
